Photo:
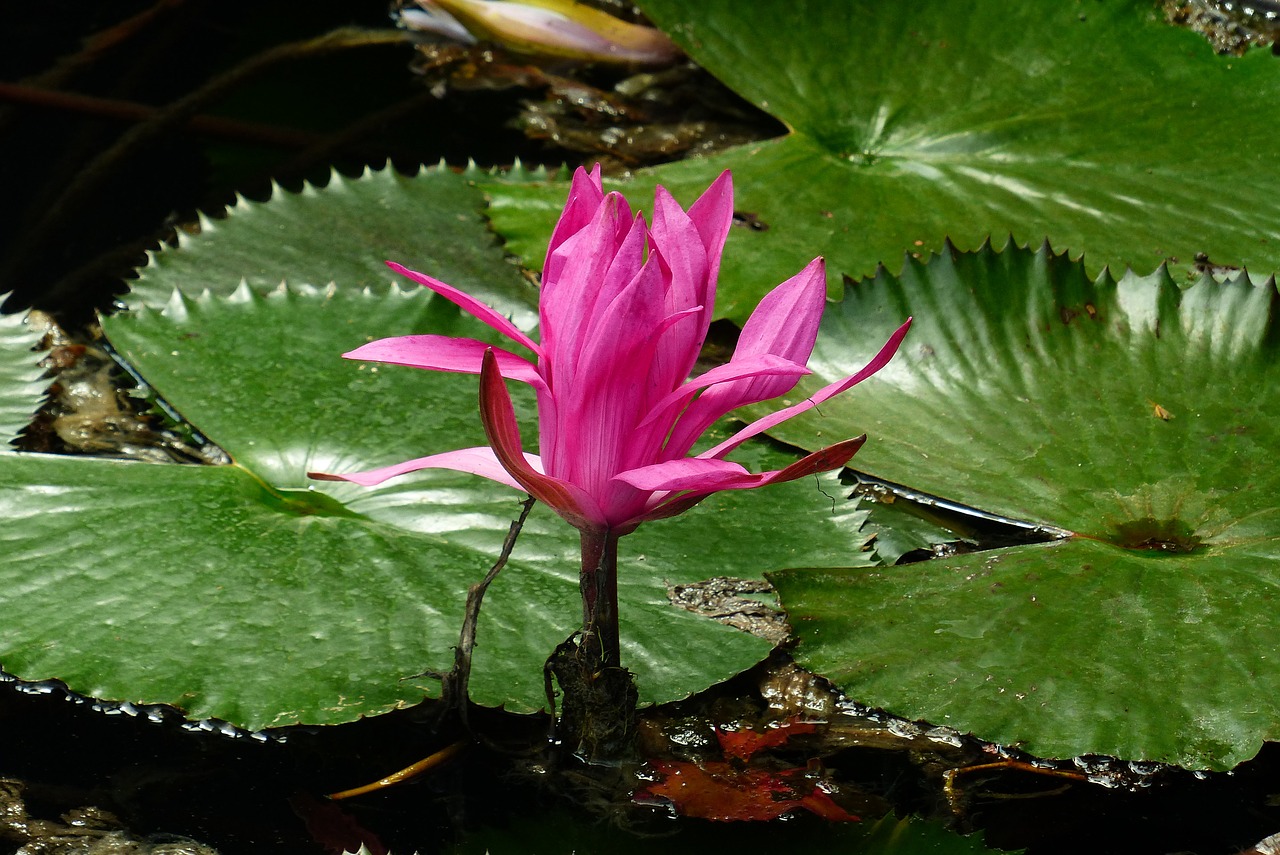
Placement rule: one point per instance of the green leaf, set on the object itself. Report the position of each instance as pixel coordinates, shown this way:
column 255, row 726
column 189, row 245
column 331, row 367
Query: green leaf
column 1030, row 391
column 344, row 232
column 203, row 588
column 1027, row 390
column 238, row 592
column 21, row 386
column 1070, row 648
column 263, row 376
column 898, row 530
column 1094, row 124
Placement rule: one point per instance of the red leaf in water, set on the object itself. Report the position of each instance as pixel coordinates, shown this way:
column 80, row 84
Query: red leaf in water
column 742, row 744
column 721, row 792
column 335, row 830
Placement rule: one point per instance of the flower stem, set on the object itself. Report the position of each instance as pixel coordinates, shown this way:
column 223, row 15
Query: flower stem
column 599, row 584
column 597, row 720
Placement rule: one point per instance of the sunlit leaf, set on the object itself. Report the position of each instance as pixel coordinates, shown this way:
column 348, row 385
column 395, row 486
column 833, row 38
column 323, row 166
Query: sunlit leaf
column 1094, row 124
column 240, row 592
column 1137, row 414
column 345, row 231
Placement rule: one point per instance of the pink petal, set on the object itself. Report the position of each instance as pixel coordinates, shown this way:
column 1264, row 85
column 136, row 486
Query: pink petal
column 678, row 247
column 677, row 239
column 600, row 404
column 500, row 427
column 711, row 480
column 470, row 304
column 476, row 461
column 786, row 321
column 693, row 274
column 690, row 473
column 785, row 324
column 571, row 282
column 632, row 316
column 443, row 353
column 595, row 318
column 735, row 370
column 585, row 194
column 822, row 460
column 626, row 262
column 712, row 214
column 825, row 393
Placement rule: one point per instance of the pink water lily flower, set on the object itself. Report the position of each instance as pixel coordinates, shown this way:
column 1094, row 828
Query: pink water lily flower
column 624, row 310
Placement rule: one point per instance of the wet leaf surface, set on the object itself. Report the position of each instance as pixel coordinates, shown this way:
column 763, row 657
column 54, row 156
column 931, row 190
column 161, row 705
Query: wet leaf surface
column 1025, row 389
column 345, row 231
column 969, row 120
column 238, row 592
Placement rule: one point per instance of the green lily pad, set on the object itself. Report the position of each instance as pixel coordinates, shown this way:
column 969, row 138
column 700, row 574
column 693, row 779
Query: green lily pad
column 21, row 386
column 209, row 591
column 1094, row 124
column 1137, row 414
column 899, row 530
column 239, row 592
column 345, row 231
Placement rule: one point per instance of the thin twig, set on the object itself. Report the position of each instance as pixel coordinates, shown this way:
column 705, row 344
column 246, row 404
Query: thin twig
column 956, row 797
column 131, row 111
column 179, row 112
column 455, row 690
column 95, row 46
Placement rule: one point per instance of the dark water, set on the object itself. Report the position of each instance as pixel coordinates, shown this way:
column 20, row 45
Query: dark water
column 163, row 780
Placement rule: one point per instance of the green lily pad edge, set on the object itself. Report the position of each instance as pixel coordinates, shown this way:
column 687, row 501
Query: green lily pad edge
column 1132, row 411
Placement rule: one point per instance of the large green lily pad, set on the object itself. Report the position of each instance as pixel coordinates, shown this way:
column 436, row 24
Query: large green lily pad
column 240, row 593
column 1094, row 124
column 1137, row 414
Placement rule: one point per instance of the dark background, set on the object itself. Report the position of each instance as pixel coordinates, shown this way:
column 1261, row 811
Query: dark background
column 78, row 206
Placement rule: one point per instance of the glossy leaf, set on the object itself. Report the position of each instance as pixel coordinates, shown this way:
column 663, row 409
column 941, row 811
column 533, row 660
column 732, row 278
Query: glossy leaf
column 203, row 588
column 1093, row 124
column 344, row 232
column 1071, row 648
column 1135, row 413
column 898, row 533
column 1029, row 390
column 240, row 593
